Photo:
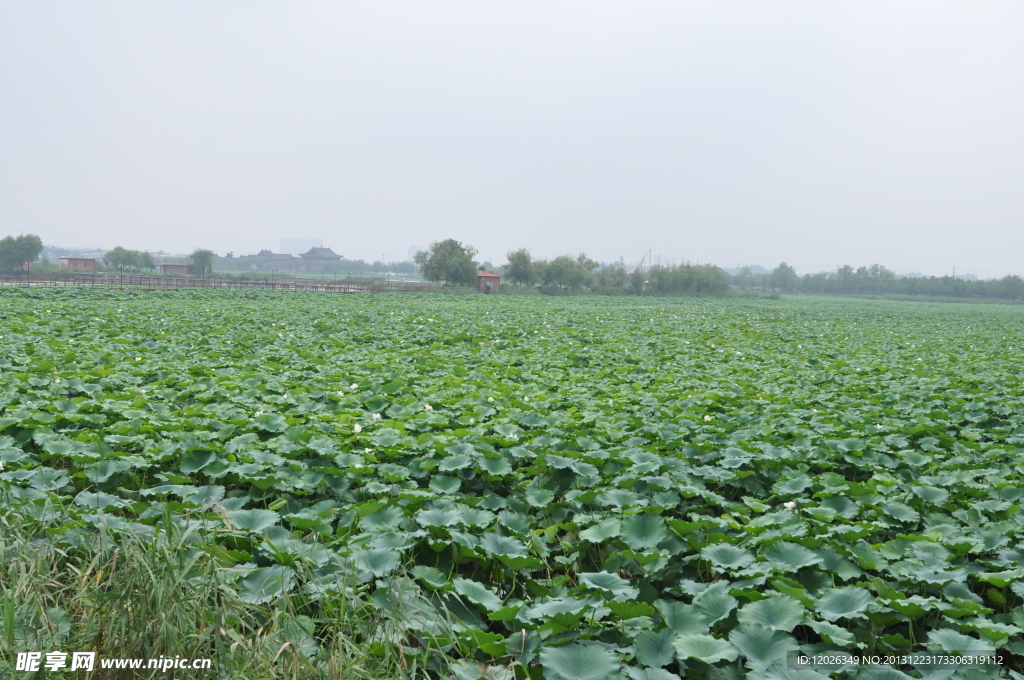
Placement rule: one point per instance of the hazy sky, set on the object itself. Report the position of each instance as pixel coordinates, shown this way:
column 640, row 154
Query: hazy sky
column 819, row 133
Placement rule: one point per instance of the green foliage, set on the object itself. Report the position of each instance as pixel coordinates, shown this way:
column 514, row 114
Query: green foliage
column 16, row 251
column 704, row 648
column 576, row 487
column 784, row 277
column 123, row 258
column 780, row 612
column 686, row 279
column 567, row 274
column 877, row 280
column 576, row 662
column 448, row 261
column 160, row 591
column 520, row 269
column 202, row 261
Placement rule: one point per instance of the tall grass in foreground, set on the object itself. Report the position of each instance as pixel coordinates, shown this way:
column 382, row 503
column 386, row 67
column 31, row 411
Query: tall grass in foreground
column 161, row 595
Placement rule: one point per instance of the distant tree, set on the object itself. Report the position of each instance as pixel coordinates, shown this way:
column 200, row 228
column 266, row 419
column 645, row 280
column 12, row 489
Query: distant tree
column 637, row 280
column 784, row 277
column 585, row 263
column 202, row 260
column 611, row 278
column 520, row 269
column 118, row 258
column 565, row 271
column 744, row 276
column 123, row 258
column 15, row 251
column 448, row 261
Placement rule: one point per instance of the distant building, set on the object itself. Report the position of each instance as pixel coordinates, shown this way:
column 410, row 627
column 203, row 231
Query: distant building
column 487, row 282
column 268, row 260
column 297, row 246
column 319, row 259
column 173, row 268
column 78, row 264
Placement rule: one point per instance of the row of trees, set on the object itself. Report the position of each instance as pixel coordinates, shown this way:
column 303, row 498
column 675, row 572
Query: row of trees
column 140, row 260
column 582, row 273
column 17, row 252
column 452, row 262
column 875, row 280
column 124, row 259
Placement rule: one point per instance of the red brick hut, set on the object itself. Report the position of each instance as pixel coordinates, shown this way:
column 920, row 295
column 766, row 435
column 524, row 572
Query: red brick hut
column 78, row 264
column 487, row 282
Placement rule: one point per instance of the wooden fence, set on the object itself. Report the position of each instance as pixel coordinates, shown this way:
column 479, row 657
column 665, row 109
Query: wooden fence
column 174, row 283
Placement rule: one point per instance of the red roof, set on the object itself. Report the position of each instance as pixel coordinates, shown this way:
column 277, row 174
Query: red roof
column 481, row 272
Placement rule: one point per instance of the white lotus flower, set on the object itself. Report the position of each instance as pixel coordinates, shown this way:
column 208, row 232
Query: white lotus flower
column 429, row 407
column 513, row 436
column 257, row 414
column 707, row 418
column 356, row 428
column 490, row 400
column 526, row 399
column 367, row 450
column 376, row 416
column 353, row 386
column 878, row 426
column 472, row 421
column 789, row 506
column 340, row 393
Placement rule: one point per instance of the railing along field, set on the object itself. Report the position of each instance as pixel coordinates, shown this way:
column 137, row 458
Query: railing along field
column 170, row 282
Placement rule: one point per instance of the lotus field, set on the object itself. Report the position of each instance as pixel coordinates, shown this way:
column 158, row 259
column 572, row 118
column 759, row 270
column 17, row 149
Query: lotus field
column 544, row 488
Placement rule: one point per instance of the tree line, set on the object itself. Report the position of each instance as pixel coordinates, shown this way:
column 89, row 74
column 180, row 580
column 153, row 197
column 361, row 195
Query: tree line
column 17, row 253
column 875, row 280
column 582, row 273
column 123, row 259
column 452, row 263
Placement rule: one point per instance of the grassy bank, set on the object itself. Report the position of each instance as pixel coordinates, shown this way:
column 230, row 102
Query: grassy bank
column 166, row 592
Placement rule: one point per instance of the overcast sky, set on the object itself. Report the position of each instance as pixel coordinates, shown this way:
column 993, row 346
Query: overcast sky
column 816, row 133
